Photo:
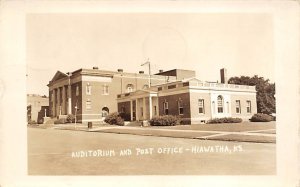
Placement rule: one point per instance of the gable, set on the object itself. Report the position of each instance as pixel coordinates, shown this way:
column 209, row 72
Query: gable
column 58, row 75
column 193, row 79
column 142, row 91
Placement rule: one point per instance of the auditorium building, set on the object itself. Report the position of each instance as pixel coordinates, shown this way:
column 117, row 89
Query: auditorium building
column 92, row 94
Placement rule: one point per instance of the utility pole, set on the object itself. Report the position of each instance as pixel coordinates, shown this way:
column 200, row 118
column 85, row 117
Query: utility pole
column 76, row 108
column 149, row 66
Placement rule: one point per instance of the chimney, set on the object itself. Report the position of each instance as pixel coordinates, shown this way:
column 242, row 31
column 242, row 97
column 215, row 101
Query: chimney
column 95, row 67
column 141, row 72
column 224, row 78
column 160, row 71
column 120, row 70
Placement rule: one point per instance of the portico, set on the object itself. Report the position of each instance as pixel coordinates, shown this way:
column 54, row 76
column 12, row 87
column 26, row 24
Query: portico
column 60, row 95
column 142, row 105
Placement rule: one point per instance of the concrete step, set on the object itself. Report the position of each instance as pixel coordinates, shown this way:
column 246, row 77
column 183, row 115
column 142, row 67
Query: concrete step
column 134, row 123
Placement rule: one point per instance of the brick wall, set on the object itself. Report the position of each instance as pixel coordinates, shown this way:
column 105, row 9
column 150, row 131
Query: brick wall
column 173, row 104
column 77, row 99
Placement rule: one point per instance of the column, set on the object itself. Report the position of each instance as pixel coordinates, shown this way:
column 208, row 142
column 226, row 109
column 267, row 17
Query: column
column 53, row 103
column 58, row 102
column 131, row 110
column 69, row 100
column 137, row 110
column 150, row 107
column 144, row 108
column 63, row 100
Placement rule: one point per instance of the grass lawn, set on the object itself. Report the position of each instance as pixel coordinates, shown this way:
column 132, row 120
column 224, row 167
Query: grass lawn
column 267, row 132
column 179, row 134
column 228, row 127
column 244, row 138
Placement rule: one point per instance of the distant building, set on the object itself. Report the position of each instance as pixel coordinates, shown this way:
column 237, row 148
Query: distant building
column 191, row 99
column 91, row 94
column 37, row 107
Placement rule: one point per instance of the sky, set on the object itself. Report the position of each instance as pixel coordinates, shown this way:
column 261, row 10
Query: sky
column 243, row 43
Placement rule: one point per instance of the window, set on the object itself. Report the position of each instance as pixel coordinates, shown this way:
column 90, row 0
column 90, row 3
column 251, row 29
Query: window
column 88, row 105
column 105, row 90
column 129, row 88
column 145, row 86
column 220, row 104
column 248, row 106
column 77, row 90
column 201, row 106
column 238, row 106
column 172, row 86
column 88, row 89
column 186, row 84
column 155, row 110
column 166, row 108
column 159, row 89
column 180, row 107
column 105, row 111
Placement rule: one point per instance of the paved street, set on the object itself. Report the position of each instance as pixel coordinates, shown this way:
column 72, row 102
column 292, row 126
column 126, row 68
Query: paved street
column 65, row 152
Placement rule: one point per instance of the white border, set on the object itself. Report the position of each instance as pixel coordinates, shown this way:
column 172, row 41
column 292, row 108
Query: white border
column 13, row 160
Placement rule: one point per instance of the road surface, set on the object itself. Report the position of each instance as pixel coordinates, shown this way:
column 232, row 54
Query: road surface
column 65, row 152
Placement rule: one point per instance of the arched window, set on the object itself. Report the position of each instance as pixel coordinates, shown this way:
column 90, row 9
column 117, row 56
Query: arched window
column 220, row 104
column 145, row 86
column 129, row 88
column 105, row 111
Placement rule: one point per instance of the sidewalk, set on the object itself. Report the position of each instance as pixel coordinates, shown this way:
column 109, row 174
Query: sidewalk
column 257, row 136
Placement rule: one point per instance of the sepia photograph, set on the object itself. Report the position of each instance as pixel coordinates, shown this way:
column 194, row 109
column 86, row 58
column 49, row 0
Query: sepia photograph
column 165, row 93
column 150, row 94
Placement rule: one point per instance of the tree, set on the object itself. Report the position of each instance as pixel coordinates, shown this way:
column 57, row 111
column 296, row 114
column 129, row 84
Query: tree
column 265, row 96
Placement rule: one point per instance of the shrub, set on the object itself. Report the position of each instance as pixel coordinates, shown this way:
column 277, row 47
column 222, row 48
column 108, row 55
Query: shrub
column 184, row 121
column 60, row 121
column 70, row 118
column 40, row 121
column 261, row 118
column 114, row 119
column 167, row 120
column 225, row 120
column 32, row 122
